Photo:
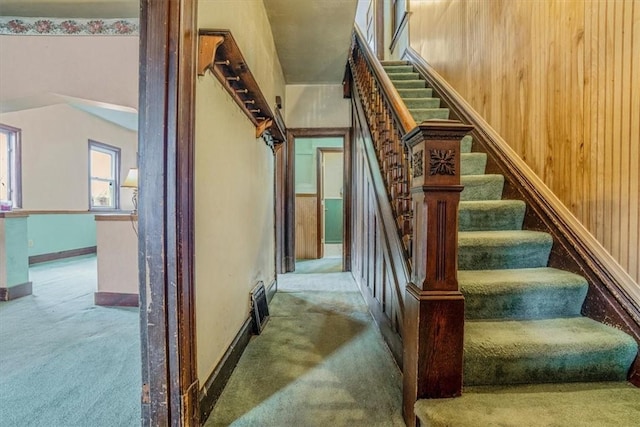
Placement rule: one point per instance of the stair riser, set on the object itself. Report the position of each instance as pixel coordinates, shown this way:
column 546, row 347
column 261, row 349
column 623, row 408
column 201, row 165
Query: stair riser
column 473, row 163
column 542, row 303
column 514, row 255
column 415, row 93
column 404, row 76
column 435, row 113
column 582, row 367
column 409, row 84
column 393, row 69
column 466, row 143
column 504, row 216
column 422, row 103
column 487, row 187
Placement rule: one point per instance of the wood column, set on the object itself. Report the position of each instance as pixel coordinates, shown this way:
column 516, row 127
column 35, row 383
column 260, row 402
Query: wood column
column 165, row 245
column 434, row 305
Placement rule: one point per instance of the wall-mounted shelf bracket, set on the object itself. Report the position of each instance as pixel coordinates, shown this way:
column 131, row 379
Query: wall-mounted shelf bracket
column 219, row 53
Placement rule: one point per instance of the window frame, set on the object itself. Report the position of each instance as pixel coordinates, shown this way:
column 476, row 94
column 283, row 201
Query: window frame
column 14, row 140
column 116, row 153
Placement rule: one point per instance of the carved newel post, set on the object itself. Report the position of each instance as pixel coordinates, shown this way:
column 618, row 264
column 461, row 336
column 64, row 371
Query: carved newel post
column 434, row 305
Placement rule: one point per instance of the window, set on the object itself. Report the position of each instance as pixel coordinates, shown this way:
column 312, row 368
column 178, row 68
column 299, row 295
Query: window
column 10, row 174
column 104, row 176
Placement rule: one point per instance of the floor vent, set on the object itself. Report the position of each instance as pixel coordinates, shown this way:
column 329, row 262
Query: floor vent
column 260, row 309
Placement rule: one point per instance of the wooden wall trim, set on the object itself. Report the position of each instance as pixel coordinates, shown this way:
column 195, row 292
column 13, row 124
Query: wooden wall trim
column 17, row 291
column 115, row 299
column 290, row 204
column 36, row 259
column 13, row 214
column 166, row 132
column 117, row 217
column 214, row 385
column 64, row 212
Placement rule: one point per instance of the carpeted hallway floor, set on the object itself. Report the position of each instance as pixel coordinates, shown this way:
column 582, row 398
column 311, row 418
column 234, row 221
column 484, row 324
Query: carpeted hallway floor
column 66, row 362
column 319, row 362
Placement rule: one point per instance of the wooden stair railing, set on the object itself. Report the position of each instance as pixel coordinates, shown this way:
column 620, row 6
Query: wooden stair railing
column 420, row 164
column 388, row 120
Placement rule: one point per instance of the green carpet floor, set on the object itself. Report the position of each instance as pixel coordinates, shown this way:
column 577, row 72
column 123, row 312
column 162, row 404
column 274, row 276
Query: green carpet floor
column 523, row 318
column 323, row 265
column 66, row 362
column 320, row 361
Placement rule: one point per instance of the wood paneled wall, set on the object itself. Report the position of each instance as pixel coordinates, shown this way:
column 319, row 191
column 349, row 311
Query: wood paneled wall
column 375, row 265
column 306, row 226
column 560, row 81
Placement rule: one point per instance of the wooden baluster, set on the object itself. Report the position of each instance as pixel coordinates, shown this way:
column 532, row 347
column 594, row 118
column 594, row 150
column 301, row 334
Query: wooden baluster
column 434, row 305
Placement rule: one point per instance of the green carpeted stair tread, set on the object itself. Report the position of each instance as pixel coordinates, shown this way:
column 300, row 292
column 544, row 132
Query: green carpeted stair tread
column 392, row 69
column 466, row 143
column 423, row 114
column 409, row 84
column 472, row 163
column 497, row 250
column 404, row 76
column 528, row 293
column 575, row 349
column 486, row 215
column 482, row 187
column 422, row 102
column 566, row 404
column 422, row 92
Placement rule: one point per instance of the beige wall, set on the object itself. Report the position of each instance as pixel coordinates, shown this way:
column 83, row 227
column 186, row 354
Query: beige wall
column 559, row 81
column 55, row 151
column 234, row 175
column 98, row 68
column 316, row 106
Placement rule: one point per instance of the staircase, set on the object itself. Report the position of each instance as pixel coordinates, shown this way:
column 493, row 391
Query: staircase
column 523, row 322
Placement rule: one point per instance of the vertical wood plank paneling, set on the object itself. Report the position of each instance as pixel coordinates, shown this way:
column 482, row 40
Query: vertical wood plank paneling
column 560, row 81
column 306, row 226
column 634, row 154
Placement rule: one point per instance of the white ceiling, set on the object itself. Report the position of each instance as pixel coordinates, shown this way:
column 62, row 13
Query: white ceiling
column 106, row 9
column 312, row 38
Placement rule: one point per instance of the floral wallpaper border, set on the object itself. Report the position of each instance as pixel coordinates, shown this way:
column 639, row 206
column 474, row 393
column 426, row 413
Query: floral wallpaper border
column 68, row 27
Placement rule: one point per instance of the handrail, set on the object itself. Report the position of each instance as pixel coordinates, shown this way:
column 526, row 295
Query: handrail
column 389, row 121
column 403, row 116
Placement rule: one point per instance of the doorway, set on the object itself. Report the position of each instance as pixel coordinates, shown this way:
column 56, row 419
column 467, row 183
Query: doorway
column 309, row 200
column 330, row 202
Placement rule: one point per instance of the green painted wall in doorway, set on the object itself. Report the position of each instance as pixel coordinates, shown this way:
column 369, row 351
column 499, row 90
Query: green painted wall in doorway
column 51, row 233
column 16, row 251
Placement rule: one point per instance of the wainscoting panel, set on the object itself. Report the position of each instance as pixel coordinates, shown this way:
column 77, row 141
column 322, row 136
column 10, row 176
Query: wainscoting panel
column 558, row 80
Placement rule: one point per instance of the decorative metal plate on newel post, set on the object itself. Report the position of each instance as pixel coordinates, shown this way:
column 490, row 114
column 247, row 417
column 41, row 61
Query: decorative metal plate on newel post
column 434, row 305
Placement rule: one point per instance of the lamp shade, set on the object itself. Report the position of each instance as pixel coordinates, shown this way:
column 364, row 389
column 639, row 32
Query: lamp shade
column 131, row 181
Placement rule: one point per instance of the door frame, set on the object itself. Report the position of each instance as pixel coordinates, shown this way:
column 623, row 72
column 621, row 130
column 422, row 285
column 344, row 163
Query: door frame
column 319, row 193
column 288, row 249
column 168, row 31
